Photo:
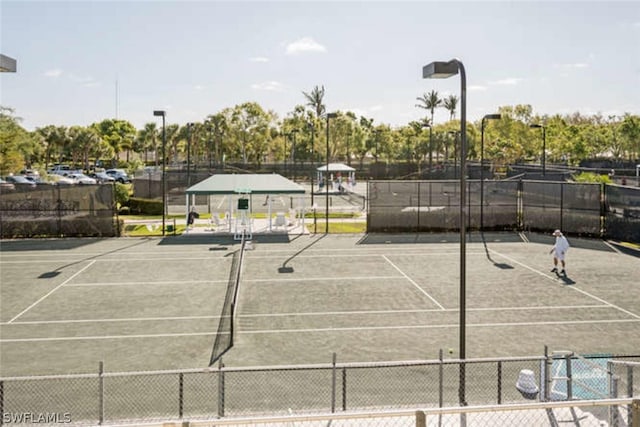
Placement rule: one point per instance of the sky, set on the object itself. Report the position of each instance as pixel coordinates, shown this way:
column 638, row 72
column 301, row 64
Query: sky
column 80, row 62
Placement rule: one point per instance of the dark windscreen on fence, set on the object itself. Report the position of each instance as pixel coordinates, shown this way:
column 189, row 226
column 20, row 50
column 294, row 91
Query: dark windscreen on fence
column 57, row 210
column 574, row 208
column 622, row 213
column 435, row 205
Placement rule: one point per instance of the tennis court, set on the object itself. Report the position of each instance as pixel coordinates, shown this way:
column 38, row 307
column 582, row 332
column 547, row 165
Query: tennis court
column 154, row 304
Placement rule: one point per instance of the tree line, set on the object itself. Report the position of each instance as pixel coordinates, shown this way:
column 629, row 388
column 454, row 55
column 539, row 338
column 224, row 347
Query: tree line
column 248, row 135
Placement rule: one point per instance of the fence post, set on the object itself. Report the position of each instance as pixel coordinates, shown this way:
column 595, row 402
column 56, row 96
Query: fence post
column 635, row 413
column 344, row 388
column 418, row 227
column 101, row 392
column 333, row 384
column 421, row 419
column 499, row 382
column 561, row 204
column 630, row 394
column 180, row 394
column 547, row 374
column 220, row 389
column 569, row 377
column 613, row 409
column 1, row 403
column 440, row 380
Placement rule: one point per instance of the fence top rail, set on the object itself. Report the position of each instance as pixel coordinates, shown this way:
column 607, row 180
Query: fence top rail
column 319, row 366
column 290, row 419
column 49, row 377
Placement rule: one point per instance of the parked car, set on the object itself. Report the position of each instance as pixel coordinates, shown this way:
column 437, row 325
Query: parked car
column 81, row 178
column 102, row 177
column 60, row 169
column 20, row 180
column 6, row 186
column 119, row 175
column 61, row 180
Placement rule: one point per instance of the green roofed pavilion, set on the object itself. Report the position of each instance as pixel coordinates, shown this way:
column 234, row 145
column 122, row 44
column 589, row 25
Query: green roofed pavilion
column 240, row 188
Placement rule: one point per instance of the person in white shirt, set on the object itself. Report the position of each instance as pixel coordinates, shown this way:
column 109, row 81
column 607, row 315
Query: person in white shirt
column 560, row 248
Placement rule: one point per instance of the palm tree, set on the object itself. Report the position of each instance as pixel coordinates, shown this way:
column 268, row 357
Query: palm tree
column 451, row 104
column 430, row 101
column 148, row 138
column 314, row 100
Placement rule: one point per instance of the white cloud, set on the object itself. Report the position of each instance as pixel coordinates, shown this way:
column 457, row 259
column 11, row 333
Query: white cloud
column 375, row 108
column 574, row 65
column 259, row 59
column 477, row 88
column 198, row 87
column 510, row 81
column 270, row 86
column 55, row 73
column 305, row 44
column 84, row 81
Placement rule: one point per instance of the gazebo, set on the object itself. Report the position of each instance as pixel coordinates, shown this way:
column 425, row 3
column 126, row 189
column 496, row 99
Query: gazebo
column 241, row 187
column 334, row 174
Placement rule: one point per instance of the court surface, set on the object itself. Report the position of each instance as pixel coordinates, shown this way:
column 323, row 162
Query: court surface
column 151, row 303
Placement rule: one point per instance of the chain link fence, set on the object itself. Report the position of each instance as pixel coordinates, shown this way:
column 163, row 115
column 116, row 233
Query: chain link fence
column 327, row 388
column 58, row 211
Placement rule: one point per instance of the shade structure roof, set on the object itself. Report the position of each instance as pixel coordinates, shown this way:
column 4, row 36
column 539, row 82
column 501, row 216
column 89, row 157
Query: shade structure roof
column 246, row 184
column 336, row 167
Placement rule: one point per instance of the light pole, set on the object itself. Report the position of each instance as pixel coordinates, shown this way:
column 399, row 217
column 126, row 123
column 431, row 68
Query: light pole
column 162, row 113
column 326, row 178
column 428, row 125
column 485, row 118
column 189, row 128
column 443, row 70
column 293, row 153
column 312, row 130
column 544, row 145
column 455, row 151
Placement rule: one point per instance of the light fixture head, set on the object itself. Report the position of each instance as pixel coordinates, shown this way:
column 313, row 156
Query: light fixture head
column 159, row 113
column 493, row 116
column 440, row 70
column 535, row 125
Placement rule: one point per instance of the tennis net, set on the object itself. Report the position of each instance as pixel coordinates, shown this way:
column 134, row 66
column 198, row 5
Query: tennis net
column 226, row 326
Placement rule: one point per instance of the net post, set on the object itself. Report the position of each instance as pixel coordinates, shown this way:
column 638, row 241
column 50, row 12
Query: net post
column 421, row 419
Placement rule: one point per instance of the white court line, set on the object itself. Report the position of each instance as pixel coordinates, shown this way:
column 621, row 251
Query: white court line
column 344, row 329
column 168, row 282
column 303, row 314
column 119, row 319
column 323, row 279
column 53, row 290
column 613, row 248
column 413, row 283
column 109, row 337
column 574, row 288
column 452, row 325
column 123, row 260
column 433, row 310
column 365, row 255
